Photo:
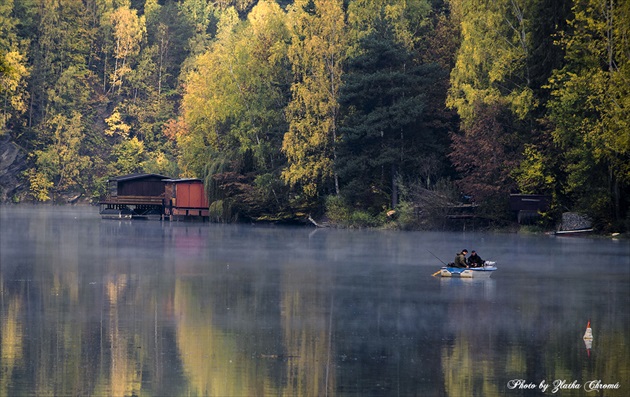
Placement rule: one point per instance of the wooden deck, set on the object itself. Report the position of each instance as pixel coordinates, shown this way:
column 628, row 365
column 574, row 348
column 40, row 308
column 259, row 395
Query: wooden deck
column 132, row 207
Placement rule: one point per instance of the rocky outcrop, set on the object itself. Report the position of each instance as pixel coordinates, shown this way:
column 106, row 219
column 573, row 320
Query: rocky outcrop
column 12, row 164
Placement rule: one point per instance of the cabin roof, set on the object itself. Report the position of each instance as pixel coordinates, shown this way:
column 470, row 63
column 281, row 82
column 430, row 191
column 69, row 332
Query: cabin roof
column 529, row 202
column 183, row 180
column 130, row 177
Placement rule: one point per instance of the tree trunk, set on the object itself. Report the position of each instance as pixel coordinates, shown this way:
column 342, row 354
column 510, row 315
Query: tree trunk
column 394, row 187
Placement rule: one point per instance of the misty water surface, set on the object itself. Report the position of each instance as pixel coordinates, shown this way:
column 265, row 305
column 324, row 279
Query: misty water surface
column 120, row 308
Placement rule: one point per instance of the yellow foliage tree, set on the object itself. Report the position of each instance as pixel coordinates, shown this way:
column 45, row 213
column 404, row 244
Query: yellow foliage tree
column 491, row 64
column 60, row 166
column 317, row 53
column 129, row 30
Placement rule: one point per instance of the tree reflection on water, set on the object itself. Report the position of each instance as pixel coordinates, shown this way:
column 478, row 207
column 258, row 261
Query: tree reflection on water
column 91, row 307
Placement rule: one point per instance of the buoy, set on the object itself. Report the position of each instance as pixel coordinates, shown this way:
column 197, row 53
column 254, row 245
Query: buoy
column 588, row 335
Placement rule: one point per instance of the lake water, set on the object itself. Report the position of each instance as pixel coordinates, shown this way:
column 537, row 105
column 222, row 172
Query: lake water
column 120, row 308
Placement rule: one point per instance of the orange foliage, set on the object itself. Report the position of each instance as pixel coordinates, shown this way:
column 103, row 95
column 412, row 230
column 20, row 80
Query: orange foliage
column 173, row 129
column 486, row 152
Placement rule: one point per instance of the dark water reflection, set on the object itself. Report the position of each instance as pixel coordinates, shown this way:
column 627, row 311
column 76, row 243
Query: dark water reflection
column 92, row 307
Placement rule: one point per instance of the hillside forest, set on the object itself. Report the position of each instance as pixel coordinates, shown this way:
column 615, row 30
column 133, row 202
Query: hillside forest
column 360, row 112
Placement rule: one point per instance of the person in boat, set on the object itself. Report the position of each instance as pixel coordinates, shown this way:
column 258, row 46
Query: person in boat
column 460, row 259
column 475, row 260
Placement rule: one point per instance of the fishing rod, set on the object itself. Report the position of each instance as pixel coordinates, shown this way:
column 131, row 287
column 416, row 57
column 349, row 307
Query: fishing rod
column 438, row 272
column 437, row 257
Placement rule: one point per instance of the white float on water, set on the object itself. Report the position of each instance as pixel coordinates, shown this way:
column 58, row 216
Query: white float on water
column 588, row 335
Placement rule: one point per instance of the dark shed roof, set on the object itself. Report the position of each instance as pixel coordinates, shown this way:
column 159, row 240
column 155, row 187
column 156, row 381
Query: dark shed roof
column 529, row 202
column 130, row 177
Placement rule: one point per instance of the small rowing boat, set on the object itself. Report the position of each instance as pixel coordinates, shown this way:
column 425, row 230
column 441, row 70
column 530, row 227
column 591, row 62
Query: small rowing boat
column 484, row 271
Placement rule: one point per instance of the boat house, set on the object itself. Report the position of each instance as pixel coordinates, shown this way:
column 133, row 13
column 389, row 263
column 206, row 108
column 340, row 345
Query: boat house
column 134, row 196
column 153, row 196
column 529, row 206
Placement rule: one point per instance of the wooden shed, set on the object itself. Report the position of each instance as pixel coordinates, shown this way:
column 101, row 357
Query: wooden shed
column 134, row 196
column 185, row 198
column 529, row 206
column 143, row 185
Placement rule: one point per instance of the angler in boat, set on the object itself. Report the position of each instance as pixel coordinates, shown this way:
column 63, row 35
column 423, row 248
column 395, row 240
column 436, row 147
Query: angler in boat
column 475, row 260
column 472, row 267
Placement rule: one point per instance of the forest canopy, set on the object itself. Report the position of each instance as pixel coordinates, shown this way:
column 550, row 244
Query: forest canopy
column 364, row 112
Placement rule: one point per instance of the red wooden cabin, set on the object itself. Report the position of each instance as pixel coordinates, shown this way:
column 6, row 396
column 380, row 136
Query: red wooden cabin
column 185, row 198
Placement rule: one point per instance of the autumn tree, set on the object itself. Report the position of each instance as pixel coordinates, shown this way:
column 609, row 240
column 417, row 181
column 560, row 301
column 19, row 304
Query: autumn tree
column 233, row 108
column 487, row 153
column 590, row 109
column 491, row 65
column 61, row 87
column 62, row 38
column 317, row 54
column 13, row 68
column 61, row 164
column 149, row 97
column 540, row 166
column 128, row 32
column 407, row 19
column 500, row 69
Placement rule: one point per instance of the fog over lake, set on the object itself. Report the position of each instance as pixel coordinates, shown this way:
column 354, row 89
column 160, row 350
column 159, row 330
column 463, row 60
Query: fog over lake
column 92, row 307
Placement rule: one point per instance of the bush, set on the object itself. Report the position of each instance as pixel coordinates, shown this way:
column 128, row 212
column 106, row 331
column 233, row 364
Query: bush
column 406, row 216
column 337, row 211
column 361, row 219
column 340, row 214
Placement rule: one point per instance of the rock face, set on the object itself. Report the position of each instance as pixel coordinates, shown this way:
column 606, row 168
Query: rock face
column 12, row 164
column 574, row 221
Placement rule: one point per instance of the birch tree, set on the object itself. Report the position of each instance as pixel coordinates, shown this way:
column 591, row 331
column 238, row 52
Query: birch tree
column 492, row 61
column 317, row 54
column 128, row 30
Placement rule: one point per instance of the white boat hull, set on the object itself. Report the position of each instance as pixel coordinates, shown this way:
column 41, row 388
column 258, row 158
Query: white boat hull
column 477, row 272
